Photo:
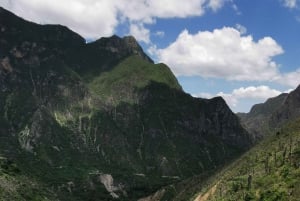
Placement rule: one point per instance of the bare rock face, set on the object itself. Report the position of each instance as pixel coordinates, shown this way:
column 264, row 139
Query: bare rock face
column 108, row 181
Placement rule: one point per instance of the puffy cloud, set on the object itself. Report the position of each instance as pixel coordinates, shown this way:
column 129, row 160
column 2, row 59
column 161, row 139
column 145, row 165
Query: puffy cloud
column 256, row 94
column 222, row 53
column 90, row 18
column 216, row 4
column 290, row 79
column 261, row 92
column 96, row 18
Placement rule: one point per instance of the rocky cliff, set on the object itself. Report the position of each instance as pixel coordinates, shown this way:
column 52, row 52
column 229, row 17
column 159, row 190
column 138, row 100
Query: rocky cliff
column 257, row 121
column 267, row 118
column 289, row 110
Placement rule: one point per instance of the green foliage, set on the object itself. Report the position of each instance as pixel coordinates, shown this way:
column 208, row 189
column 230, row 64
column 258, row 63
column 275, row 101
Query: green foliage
column 15, row 185
column 279, row 183
column 132, row 74
column 273, row 195
column 249, row 196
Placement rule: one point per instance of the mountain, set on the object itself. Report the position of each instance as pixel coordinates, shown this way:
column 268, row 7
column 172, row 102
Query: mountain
column 289, row 110
column 100, row 120
column 269, row 171
column 266, row 118
column 257, row 121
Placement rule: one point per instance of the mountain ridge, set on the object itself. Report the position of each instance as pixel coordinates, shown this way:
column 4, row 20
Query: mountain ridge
column 266, row 118
column 268, row 171
column 139, row 132
column 256, row 121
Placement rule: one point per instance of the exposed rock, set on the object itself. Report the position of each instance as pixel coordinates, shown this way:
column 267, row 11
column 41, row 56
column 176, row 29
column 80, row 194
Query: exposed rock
column 108, row 181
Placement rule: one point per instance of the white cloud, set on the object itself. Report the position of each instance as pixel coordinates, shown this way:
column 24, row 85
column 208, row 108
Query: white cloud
column 261, row 92
column 152, row 50
column 140, row 32
column 222, row 53
column 256, row 94
column 96, row 18
column 289, row 79
column 90, row 18
column 290, row 3
column 216, row 4
column 204, row 95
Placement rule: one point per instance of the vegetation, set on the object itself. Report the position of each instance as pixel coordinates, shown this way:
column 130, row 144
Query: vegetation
column 129, row 76
column 268, row 172
column 14, row 185
column 75, row 116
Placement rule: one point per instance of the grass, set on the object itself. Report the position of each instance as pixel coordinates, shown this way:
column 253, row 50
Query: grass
column 121, row 83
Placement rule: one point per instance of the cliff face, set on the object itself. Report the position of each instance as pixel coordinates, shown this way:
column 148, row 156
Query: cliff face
column 266, row 118
column 290, row 109
column 71, row 112
column 257, row 121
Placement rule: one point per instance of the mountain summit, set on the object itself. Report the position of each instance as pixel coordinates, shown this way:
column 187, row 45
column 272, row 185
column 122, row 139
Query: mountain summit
column 99, row 121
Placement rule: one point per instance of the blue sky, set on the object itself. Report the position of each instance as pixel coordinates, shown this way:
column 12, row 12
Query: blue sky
column 244, row 51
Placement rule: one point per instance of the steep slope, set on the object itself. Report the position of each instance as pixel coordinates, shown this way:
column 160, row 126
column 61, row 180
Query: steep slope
column 102, row 55
column 258, row 119
column 100, row 121
column 124, row 80
column 289, row 110
column 263, row 119
column 16, row 186
column 270, row 171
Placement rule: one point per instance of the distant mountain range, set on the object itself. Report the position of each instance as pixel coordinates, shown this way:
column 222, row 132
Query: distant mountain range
column 100, row 120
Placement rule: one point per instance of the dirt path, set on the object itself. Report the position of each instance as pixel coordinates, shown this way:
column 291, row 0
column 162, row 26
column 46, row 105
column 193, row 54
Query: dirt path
column 204, row 197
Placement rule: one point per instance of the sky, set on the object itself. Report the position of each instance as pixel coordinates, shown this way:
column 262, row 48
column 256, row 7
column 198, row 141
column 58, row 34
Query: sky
column 243, row 50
